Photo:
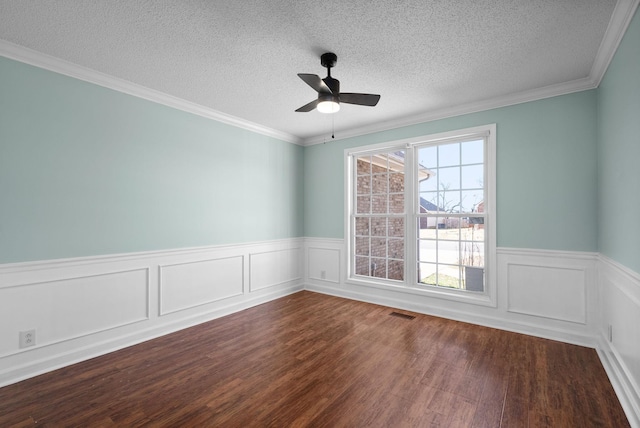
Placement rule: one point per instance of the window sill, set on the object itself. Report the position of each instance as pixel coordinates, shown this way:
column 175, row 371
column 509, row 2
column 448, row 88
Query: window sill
column 486, row 298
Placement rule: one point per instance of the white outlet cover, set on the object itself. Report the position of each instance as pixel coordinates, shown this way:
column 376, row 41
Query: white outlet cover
column 27, row 338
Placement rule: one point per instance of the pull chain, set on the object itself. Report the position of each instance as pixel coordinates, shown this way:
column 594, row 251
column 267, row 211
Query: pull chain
column 333, row 126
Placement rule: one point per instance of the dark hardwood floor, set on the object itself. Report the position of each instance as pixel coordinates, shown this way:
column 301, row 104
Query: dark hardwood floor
column 315, row 360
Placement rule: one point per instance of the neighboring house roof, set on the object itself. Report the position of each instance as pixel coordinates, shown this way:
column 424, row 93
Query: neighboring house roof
column 428, row 206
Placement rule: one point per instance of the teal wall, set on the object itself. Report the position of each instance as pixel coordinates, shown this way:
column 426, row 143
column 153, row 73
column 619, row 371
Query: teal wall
column 546, row 173
column 619, row 153
column 85, row 170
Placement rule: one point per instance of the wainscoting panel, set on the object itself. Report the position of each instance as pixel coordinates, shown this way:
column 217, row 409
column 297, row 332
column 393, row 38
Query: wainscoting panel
column 268, row 269
column 619, row 339
column 323, row 264
column 552, row 290
column 529, row 288
column 186, row 285
column 85, row 307
column 102, row 301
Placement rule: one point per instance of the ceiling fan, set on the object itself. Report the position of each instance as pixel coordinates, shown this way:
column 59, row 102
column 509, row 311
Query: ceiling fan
column 329, row 95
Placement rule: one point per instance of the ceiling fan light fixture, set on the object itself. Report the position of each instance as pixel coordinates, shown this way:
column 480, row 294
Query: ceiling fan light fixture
column 328, row 106
column 328, row 89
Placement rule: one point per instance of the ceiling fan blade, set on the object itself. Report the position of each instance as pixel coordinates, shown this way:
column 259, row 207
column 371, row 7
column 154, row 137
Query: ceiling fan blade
column 315, row 82
column 308, row 107
column 359, row 99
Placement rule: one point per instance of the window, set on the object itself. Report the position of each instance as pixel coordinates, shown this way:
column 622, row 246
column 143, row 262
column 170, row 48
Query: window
column 420, row 214
column 379, row 220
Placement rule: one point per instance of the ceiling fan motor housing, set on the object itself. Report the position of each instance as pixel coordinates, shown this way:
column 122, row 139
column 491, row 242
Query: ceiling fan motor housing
column 328, row 59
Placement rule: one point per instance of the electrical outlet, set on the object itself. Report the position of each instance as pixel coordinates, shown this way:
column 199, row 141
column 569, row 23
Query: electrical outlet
column 27, row 338
column 323, row 274
column 610, row 333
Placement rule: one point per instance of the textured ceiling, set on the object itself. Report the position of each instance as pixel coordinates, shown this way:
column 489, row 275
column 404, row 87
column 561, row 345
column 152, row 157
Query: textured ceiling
column 241, row 58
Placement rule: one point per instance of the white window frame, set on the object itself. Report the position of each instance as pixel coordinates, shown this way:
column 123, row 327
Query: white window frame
column 410, row 284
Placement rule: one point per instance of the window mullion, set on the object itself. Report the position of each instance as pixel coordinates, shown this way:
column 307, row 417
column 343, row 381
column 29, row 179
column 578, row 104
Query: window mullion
column 410, row 202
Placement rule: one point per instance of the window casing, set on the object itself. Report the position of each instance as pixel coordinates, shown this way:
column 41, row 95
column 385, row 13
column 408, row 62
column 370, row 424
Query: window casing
column 421, row 215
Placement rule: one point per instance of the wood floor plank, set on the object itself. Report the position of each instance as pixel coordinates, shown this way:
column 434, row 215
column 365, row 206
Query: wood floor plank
column 311, row 360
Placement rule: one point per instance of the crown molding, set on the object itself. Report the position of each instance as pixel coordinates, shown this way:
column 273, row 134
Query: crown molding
column 620, row 19
column 490, row 104
column 60, row 66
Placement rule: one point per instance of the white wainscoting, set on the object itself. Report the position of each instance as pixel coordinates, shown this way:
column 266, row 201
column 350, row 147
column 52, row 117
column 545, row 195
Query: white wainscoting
column 84, row 307
column 100, row 300
column 558, row 286
column 275, row 267
column 324, row 260
column 618, row 332
column 529, row 288
column 190, row 284
column 550, row 294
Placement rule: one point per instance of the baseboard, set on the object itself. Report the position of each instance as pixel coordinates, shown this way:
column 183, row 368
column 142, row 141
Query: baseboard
column 624, row 387
column 86, row 307
column 618, row 343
